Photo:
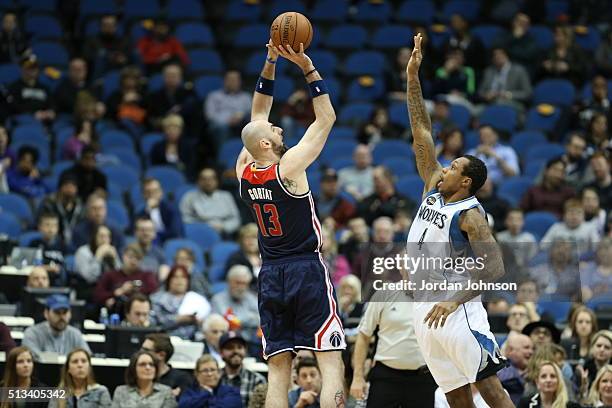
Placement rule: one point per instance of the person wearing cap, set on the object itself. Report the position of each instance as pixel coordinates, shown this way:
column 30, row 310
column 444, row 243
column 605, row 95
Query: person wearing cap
column 28, row 95
column 54, row 334
column 542, row 332
column 233, row 351
column 330, row 203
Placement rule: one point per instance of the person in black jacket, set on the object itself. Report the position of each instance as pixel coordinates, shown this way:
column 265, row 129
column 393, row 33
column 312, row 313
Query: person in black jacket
column 165, row 215
column 89, row 178
column 28, row 95
column 12, row 41
column 175, row 96
column 171, row 151
column 66, row 92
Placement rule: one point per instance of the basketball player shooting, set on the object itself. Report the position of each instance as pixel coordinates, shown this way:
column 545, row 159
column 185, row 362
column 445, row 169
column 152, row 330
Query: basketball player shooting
column 297, row 302
column 454, row 336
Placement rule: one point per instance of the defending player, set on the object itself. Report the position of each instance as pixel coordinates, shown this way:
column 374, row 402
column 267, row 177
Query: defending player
column 454, row 335
column 297, row 302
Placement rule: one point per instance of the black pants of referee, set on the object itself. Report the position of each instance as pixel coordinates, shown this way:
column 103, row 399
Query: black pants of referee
column 391, row 388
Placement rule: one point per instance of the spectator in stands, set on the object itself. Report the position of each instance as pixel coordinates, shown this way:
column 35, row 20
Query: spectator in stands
column 396, row 80
column 96, row 257
column 505, row 82
column 18, row 372
column 565, row 60
column 551, row 389
column 582, row 235
column 207, row 391
column 559, row 274
column 248, row 254
column 596, row 277
column 455, row 80
column 501, row 160
column 7, row 158
column 177, row 309
column 593, row 213
column 127, row 103
column 12, row 41
column 583, row 326
column 522, row 244
column 89, row 179
column 52, row 247
column 85, row 135
column 377, row 128
column 28, row 94
column 141, row 387
column 597, row 102
column 174, row 98
column 350, row 305
column 600, row 394
column 518, row 351
column 494, row 205
column 77, row 378
column 159, row 344
column 159, row 47
column 551, row 193
column 440, row 116
column 25, row 177
column 451, row 146
column 603, row 55
column 309, row 385
column 542, row 332
column 115, row 287
column 518, row 317
column 199, row 282
column 171, row 151
column 238, row 300
column 38, row 278
column 603, row 179
column 66, row 204
column 213, row 328
column 462, row 39
column 211, row 205
column 337, row 264
column 54, row 334
column 330, row 202
column 600, row 353
column 233, row 350
column 65, row 95
column 95, row 216
column 137, row 311
column 108, row 50
column 358, row 180
column 165, row 216
column 296, row 112
column 154, row 259
column 597, row 132
column 528, row 294
column 226, row 109
column 520, row 43
column 385, row 201
column 576, row 163
column 353, row 241
column 6, row 341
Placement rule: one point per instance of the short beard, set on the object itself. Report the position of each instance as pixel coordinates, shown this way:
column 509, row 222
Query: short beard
column 280, row 149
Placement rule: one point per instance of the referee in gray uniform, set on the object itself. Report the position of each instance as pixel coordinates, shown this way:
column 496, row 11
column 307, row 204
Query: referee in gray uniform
column 399, row 376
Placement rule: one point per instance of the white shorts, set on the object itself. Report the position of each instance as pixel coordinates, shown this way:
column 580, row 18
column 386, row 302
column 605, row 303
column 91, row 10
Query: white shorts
column 463, row 351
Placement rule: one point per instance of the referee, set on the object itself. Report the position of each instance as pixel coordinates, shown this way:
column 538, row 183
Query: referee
column 399, row 377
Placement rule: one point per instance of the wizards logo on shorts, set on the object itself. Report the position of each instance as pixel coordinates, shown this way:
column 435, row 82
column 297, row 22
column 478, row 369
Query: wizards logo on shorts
column 335, row 339
column 430, row 200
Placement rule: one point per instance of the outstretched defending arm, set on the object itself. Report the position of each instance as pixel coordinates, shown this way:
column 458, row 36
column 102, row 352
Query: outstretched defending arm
column 420, row 123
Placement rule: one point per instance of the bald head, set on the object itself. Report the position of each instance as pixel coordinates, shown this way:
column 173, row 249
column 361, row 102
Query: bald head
column 519, row 349
column 263, row 140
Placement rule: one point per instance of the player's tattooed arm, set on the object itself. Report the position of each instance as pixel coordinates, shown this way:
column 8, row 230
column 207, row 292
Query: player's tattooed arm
column 290, row 185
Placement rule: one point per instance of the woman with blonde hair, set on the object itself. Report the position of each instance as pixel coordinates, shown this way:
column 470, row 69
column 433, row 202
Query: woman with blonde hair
column 600, row 394
column 552, row 392
column 599, row 354
column 78, row 380
column 171, row 151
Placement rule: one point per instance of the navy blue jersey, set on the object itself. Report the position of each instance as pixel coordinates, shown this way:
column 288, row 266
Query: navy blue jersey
column 288, row 223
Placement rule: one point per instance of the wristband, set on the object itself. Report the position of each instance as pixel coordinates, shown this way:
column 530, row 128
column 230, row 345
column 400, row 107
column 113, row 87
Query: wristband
column 270, row 60
column 317, row 88
column 309, row 72
column 265, row 86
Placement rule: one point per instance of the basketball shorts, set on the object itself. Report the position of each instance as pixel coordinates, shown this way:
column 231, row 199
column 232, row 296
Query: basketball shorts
column 298, row 307
column 463, row 351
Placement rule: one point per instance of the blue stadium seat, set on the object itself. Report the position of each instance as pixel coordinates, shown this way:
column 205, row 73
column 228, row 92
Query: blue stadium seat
column 173, row 245
column 181, row 191
column 363, row 89
column 600, row 302
column 221, row 251
column 398, row 114
column 229, row 152
column 538, row 222
column 124, row 176
column 115, row 138
column 115, row 192
column 469, row 9
column 206, row 84
column 218, row 287
column 523, row 141
column 240, row 10
column 471, row 139
column 347, row 36
column 195, row 34
column 460, row 116
column 47, row 6
column 587, row 38
column 51, row 53
column 134, row 9
column 147, row 141
column 555, row 9
column 544, row 152
column 365, row 63
column 391, row 37
column 502, row 117
column 314, row 181
column 110, row 84
column 411, row 186
column 392, row 148
column 487, row 34
column 127, row 156
column 169, row 177
column 533, row 169
column 155, row 82
column 543, row 36
column 543, row 122
column 256, row 61
column 416, row 11
column 207, row 61
column 137, row 31
column 355, row 112
column 559, row 92
column 556, row 308
column 118, row 214
column 30, row 133
column 185, row 10
column 326, row 62
column 43, row 27
column 373, row 12
column 9, row 224
column 216, row 274
column 9, row 73
column 342, row 133
column 90, row 8
column 335, row 90
column 283, row 88
column 279, row 7
column 18, row 206
column 400, row 166
column 512, row 189
column 329, row 11
column 340, row 163
column 336, row 148
column 27, row 237
column 202, row 234
column 59, row 167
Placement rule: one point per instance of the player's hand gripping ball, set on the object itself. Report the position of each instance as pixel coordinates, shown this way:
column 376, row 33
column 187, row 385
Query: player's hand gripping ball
column 291, row 28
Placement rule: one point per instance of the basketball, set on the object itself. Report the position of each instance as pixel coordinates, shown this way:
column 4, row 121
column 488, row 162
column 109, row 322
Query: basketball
column 291, row 28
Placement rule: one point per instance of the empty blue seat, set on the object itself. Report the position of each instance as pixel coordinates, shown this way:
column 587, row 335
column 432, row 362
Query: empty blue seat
column 416, row 11
column 342, row 133
column 512, row 189
column 229, row 152
column 240, row 10
column 95, row 7
column 206, row 84
column 411, row 186
column 116, row 138
column 600, row 302
column 460, row 116
column 18, row 206
column 536, row 120
column 147, row 142
column 469, row 9
column 127, row 156
column 559, row 92
column 185, row 10
column 329, row 11
column 543, row 36
column 169, row 177
column 216, row 275
column 279, row 7
column 487, row 34
column 118, row 214
column 558, row 309
column 375, row 12
column 523, row 141
column 587, row 38
column 30, row 133
column 9, row 73
column 355, row 112
column 340, row 163
column 538, row 222
column 391, row 37
column 59, row 167
column 283, row 88
column 207, row 61
column 365, row 63
column 392, row 148
column 471, row 139
column 202, row 234
column 171, row 246
column 198, row 34
column 366, row 90
column 256, row 61
column 502, row 117
column 124, row 176
column 336, row 148
column 545, row 151
column 253, row 35
column 534, row 168
column 155, row 82
column 347, row 36
column 221, row 251
column 27, row 237
column 326, row 61
column 51, row 53
column 110, row 84
column 400, row 166
column 398, row 115
column 43, row 27
column 134, row 8
column 9, row 224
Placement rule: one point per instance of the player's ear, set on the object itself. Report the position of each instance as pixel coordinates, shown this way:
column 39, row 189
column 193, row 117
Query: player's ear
column 265, row 144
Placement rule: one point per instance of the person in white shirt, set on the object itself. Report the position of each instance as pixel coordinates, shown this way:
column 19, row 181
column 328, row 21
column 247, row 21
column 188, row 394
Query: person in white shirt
column 501, row 161
column 573, row 228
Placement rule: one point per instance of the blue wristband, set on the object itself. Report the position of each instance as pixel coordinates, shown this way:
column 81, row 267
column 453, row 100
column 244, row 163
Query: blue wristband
column 265, row 86
column 317, row 88
column 270, row 60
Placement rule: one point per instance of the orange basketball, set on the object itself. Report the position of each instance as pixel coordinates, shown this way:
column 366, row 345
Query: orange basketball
column 291, row 28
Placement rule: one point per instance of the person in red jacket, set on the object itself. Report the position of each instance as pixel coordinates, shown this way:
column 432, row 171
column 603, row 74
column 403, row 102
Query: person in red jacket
column 159, row 48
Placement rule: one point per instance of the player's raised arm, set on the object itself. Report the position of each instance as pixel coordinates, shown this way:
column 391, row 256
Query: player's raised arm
column 299, row 157
column 420, row 123
column 262, row 97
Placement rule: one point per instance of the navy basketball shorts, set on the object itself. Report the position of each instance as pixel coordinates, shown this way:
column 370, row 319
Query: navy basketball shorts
column 298, row 307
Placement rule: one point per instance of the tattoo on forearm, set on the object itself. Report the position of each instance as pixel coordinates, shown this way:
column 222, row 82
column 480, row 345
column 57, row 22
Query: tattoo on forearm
column 419, row 118
column 290, row 185
column 339, row 399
